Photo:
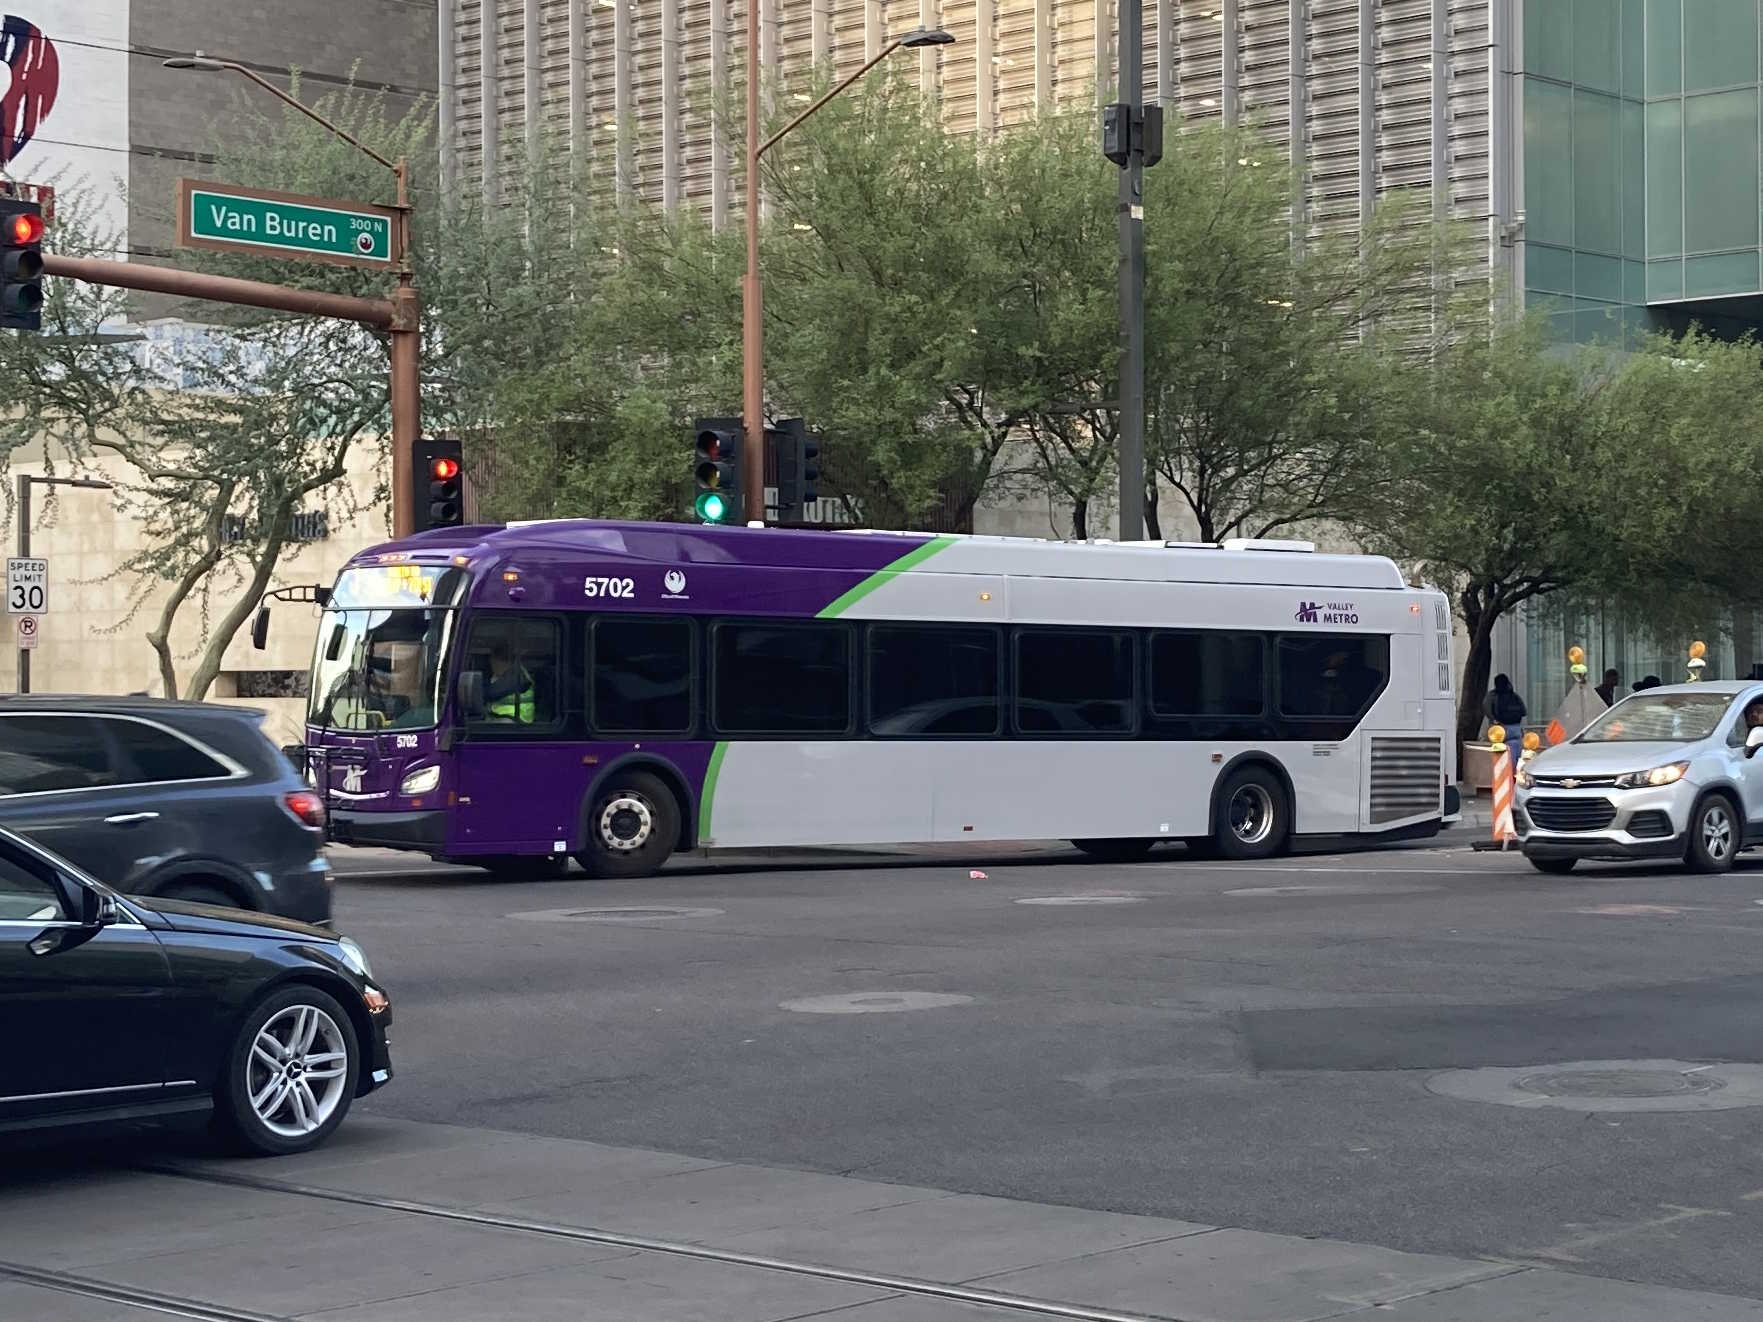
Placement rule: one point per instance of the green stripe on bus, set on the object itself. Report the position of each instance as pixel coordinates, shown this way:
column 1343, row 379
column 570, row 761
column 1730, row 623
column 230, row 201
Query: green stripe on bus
column 917, row 556
column 913, row 558
column 704, row 800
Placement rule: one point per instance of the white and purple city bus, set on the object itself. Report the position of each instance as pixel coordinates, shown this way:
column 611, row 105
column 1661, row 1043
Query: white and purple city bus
column 617, row 692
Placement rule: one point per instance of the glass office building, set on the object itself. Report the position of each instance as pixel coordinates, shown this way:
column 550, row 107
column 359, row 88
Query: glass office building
column 1640, row 164
column 1640, row 212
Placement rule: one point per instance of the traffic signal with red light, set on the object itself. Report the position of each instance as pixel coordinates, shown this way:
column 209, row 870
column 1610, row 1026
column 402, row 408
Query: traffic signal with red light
column 437, row 469
column 716, row 469
column 21, row 265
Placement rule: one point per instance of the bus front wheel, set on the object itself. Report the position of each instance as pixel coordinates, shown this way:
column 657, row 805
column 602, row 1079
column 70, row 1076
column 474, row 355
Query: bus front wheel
column 633, row 825
column 1254, row 815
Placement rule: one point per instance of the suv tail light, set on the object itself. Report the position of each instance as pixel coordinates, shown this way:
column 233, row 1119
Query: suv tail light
column 307, row 808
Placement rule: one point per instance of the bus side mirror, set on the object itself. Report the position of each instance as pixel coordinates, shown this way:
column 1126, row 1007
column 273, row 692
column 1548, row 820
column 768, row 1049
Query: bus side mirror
column 321, row 596
column 471, row 694
column 260, row 629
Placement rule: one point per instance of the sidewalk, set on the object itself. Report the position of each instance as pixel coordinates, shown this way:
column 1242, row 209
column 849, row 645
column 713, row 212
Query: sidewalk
column 402, row 1222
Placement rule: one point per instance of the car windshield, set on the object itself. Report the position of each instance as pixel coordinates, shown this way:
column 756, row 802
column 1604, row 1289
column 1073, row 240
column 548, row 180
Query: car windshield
column 1674, row 718
column 379, row 669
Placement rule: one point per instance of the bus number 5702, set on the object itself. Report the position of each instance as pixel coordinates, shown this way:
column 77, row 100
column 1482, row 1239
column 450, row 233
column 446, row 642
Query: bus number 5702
column 610, row 587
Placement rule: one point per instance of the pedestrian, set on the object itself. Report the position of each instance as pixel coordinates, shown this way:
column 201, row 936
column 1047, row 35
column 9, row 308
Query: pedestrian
column 1648, row 682
column 1504, row 707
column 1607, row 690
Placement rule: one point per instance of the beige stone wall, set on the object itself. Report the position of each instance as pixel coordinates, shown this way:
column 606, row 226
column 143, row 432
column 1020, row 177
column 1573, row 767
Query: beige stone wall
column 93, row 639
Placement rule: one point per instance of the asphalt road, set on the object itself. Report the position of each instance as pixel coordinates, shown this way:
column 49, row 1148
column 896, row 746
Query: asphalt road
column 1240, row 1045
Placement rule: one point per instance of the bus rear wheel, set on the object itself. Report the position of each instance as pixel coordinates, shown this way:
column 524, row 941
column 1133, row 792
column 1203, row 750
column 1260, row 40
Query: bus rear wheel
column 1254, row 815
column 1120, row 850
column 632, row 826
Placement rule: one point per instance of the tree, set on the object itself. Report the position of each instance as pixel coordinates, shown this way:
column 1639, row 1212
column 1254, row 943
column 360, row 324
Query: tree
column 1049, row 333
column 876, row 276
column 1267, row 353
column 1523, row 469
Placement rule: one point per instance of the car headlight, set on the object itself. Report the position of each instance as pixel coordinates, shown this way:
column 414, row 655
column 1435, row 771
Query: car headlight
column 355, row 957
column 420, row 782
column 1522, row 776
column 1668, row 774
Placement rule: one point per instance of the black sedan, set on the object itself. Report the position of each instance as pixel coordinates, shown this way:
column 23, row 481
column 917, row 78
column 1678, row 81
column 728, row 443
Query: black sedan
column 118, row 1008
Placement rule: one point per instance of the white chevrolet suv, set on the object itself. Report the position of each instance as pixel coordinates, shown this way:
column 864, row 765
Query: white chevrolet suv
column 1665, row 773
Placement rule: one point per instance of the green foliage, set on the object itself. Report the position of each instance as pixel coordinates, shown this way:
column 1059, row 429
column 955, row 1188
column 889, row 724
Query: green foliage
column 1268, row 360
column 1524, row 469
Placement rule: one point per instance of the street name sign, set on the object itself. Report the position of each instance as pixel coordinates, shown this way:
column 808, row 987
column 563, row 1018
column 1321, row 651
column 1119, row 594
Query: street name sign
column 233, row 218
column 27, row 586
column 27, row 633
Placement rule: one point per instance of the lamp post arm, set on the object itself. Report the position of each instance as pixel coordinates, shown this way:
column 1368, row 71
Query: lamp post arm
column 770, row 142
column 306, row 110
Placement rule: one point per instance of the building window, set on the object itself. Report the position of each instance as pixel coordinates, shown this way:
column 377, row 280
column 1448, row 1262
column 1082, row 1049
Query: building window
column 930, row 680
column 1074, row 682
column 781, row 678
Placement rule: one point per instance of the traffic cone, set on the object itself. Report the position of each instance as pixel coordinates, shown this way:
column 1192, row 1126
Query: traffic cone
column 1504, row 831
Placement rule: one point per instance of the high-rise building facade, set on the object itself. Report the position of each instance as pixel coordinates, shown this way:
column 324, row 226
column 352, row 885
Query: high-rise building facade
column 1370, row 95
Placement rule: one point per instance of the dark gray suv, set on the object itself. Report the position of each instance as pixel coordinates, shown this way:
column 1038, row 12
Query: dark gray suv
column 181, row 799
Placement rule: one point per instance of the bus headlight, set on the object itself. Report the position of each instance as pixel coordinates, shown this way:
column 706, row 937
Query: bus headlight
column 420, row 782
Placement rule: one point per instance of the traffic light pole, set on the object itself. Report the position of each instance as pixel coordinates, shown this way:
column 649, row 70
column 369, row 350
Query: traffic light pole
column 406, row 353
column 752, row 305
column 1131, row 208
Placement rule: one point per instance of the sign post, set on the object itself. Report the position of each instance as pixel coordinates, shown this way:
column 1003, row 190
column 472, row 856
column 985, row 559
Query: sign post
column 233, row 218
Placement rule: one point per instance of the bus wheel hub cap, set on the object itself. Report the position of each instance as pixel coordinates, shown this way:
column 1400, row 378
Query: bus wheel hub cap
column 625, row 823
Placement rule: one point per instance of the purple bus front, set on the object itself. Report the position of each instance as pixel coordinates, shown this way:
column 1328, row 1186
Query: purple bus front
column 454, row 709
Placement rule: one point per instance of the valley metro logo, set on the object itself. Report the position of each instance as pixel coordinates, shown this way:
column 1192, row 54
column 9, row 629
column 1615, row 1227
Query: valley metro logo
column 1331, row 612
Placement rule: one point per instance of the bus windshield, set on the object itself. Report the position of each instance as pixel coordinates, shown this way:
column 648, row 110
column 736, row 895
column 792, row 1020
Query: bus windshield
column 379, row 669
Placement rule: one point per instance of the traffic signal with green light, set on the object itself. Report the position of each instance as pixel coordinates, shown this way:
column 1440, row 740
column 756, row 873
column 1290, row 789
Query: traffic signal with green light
column 798, row 469
column 21, row 265
column 716, row 469
column 437, row 470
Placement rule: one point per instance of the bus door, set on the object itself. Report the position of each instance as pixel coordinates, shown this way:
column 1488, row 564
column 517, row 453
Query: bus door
column 517, row 776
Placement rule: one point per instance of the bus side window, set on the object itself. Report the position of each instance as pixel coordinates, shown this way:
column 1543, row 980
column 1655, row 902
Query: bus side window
column 1328, row 681
column 640, row 674
column 518, row 657
column 1074, row 682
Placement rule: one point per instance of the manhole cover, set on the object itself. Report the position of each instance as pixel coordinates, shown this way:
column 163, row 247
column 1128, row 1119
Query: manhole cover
column 1060, row 900
column 877, row 1002
column 617, row 914
column 1609, row 1085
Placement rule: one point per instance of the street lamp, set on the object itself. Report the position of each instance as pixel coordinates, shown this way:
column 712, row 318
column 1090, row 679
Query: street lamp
column 25, row 482
column 406, row 332
column 752, row 294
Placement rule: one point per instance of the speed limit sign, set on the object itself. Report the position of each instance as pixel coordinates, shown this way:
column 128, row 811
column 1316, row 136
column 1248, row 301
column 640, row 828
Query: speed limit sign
column 27, row 586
